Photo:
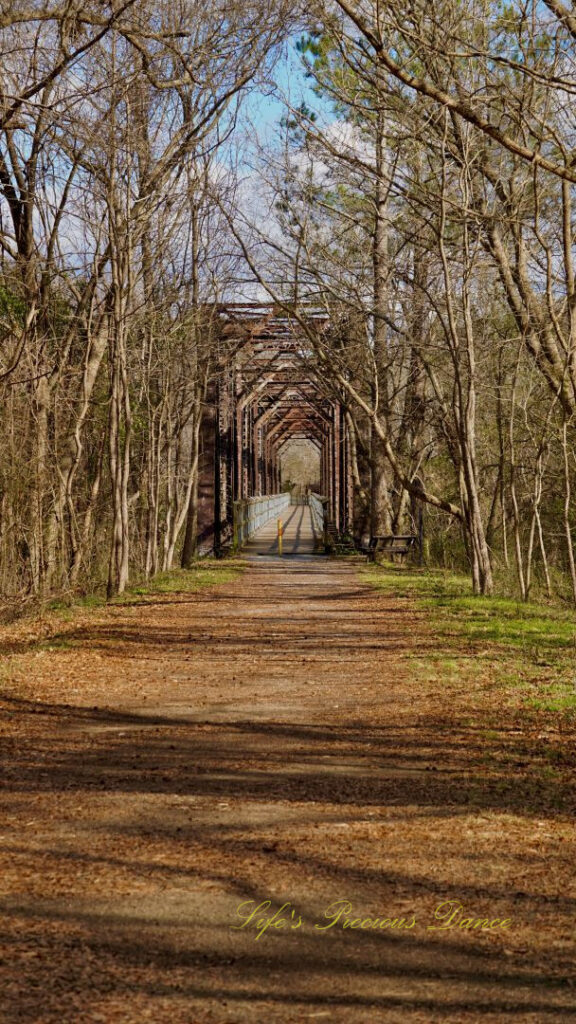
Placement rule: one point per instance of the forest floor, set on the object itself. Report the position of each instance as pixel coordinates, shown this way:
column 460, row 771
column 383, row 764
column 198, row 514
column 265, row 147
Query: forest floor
column 289, row 797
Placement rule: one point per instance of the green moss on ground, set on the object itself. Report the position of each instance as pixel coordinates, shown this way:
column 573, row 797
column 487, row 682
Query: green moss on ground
column 524, row 646
column 207, row 572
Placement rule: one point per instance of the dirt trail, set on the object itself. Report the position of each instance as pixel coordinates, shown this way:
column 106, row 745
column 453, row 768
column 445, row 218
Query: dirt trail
column 268, row 740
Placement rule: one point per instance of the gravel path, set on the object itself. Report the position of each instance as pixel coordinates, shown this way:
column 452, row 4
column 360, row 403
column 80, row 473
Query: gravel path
column 245, row 805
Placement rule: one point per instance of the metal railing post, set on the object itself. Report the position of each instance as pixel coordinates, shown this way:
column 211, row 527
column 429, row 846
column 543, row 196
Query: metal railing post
column 252, row 513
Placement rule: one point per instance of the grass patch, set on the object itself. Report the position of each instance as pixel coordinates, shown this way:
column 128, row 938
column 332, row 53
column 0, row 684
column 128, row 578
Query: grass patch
column 207, row 573
column 66, row 607
column 527, row 647
column 418, row 583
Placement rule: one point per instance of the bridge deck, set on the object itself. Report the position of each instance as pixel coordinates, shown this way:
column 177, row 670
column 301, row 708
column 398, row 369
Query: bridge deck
column 299, row 535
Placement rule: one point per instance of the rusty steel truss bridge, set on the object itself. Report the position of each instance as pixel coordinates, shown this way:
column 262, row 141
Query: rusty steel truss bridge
column 267, row 396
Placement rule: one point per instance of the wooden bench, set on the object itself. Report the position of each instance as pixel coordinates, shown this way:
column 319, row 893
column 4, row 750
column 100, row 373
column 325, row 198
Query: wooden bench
column 390, row 545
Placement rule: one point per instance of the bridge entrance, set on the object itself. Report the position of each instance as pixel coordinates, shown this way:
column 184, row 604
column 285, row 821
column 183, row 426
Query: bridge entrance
column 302, row 534
column 271, row 433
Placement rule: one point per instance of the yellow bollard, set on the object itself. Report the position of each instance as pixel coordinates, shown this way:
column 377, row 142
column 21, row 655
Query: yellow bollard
column 280, row 535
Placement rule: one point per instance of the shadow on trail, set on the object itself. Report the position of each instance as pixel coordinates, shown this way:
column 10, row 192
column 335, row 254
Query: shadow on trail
column 163, row 785
column 448, row 766
column 389, row 975
column 110, row 638
column 212, row 607
column 272, row 971
column 130, row 947
column 165, row 945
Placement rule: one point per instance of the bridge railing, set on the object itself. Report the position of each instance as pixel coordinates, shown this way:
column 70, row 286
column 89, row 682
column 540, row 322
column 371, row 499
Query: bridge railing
column 318, row 512
column 252, row 513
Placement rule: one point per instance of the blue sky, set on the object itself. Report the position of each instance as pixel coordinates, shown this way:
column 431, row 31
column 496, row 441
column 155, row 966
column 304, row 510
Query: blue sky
column 266, row 110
